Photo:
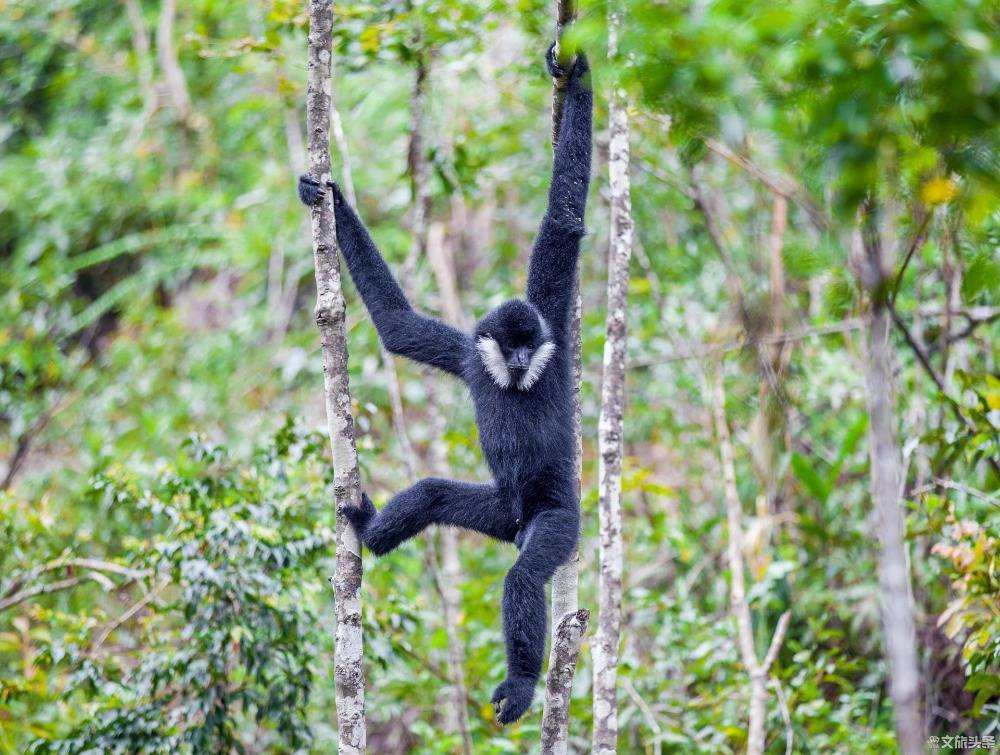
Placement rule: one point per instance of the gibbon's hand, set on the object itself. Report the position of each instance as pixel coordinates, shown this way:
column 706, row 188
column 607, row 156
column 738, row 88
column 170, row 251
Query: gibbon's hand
column 579, row 67
column 311, row 192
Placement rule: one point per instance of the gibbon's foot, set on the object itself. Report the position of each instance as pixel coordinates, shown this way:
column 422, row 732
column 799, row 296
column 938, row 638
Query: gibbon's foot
column 577, row 69
column 312, row 192
column 361, row 515
column 513, row 698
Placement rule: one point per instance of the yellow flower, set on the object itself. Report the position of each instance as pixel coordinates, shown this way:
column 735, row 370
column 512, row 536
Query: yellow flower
column 938, row 191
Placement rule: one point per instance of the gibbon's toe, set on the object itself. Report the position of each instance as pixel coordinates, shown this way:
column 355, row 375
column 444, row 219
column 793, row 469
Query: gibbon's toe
column 512, row 699
column 556, row 71
column 361, row 515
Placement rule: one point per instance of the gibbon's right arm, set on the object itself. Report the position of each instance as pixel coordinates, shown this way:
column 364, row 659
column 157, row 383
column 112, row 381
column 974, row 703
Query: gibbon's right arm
column 402, row 330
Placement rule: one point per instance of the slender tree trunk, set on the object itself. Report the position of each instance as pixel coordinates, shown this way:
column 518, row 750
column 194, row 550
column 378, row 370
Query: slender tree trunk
column 349, row 675
column 875, row 269
column 569, row 623
column 449, row 571
column 142, row 47
column 607, row 639
column 444, row 553
column 758, row 671
column 779, row 221
column 173, row 74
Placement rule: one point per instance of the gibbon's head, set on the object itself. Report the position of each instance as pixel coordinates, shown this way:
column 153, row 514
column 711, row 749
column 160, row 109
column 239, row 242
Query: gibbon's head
column 515, row 344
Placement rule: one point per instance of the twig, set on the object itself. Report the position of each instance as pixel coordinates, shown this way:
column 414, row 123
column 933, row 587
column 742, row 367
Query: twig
column 822, row 330
column 776, row 641
column 25, row 440
column 50, row 587
column 96, row 565
column 781, row 185
column 399, row 422
column 938, row 381
column 940, row 482
column 647, row 713
column 916, row 243
column 779, row 692
column 132, row 611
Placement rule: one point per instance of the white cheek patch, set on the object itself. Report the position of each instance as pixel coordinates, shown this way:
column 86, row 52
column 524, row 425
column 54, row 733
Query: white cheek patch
column 493, row 361
column 539, row 361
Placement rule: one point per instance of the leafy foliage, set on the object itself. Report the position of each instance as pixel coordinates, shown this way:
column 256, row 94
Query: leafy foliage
column 155, row 287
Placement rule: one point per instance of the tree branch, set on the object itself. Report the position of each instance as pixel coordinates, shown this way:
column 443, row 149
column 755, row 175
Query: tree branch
column 128, row 614
column 50, row 587
column 779, row 184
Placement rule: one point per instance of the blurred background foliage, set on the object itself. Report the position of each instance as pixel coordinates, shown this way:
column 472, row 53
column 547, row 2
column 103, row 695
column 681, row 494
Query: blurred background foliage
column 165, row 515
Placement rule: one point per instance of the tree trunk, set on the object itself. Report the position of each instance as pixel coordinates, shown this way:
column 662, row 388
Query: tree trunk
column 349, row 673
column 607, row 639
column 567, row 631
column 886, row 481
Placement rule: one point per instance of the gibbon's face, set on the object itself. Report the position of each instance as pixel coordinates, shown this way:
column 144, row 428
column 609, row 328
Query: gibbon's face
column 514, row 344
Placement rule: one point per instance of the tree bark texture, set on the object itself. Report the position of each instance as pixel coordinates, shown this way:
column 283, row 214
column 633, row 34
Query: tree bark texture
column 349, row 674
column 559, row 681
column 608, row 636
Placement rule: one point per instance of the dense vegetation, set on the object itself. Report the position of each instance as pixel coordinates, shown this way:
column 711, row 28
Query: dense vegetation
column 165, row 514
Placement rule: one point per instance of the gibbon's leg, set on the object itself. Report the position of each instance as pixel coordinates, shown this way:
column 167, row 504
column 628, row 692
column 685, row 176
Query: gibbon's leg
column 548, row 542
column 474, row 506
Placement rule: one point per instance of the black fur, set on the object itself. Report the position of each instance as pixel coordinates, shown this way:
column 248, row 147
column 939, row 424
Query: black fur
column 526, row 433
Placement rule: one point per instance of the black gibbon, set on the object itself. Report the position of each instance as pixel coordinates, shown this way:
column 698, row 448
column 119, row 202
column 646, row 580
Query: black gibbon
column 516, row 364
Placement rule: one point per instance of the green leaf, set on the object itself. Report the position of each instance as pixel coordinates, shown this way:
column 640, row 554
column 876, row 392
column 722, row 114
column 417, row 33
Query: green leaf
column 809, row 477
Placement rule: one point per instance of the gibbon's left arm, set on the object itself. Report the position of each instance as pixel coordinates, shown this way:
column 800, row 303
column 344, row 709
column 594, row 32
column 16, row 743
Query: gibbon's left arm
column 552, row 272
column 402, row 330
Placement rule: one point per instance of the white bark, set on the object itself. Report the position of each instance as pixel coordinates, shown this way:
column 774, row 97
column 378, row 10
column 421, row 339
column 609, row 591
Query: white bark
column 608, row 636
column 349, row 674
column 886, row 481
